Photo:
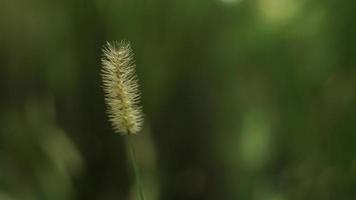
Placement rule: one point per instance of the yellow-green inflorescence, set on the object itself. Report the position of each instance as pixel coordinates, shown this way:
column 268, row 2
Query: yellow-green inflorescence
column 121, row 88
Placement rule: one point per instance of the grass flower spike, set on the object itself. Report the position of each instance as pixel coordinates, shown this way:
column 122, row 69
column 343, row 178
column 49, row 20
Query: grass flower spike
column 121, row 88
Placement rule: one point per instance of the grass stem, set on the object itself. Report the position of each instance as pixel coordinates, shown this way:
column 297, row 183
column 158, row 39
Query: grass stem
column 136, row 169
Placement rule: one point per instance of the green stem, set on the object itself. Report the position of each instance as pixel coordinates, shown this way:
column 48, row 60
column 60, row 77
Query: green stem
column 136, row 169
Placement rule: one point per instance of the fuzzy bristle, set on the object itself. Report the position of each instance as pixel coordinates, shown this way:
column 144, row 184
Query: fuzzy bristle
column 121, row 88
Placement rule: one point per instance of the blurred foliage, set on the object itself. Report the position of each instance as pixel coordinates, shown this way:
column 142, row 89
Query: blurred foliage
column 243, row 99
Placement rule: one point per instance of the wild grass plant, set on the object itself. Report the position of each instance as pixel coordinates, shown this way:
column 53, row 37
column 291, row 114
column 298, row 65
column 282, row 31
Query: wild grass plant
column 122, row 97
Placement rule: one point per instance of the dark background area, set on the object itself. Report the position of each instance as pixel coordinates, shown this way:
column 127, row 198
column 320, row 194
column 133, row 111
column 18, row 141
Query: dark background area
column 243, row 99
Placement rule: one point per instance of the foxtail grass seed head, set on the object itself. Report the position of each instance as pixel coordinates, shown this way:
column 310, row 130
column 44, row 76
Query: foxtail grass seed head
column 121, row 88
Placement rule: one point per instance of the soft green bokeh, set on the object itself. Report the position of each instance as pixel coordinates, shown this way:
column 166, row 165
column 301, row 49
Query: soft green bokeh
column 243, row 99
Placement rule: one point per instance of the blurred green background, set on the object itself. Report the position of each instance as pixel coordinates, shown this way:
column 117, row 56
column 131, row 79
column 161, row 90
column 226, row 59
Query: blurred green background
column 243, row 99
